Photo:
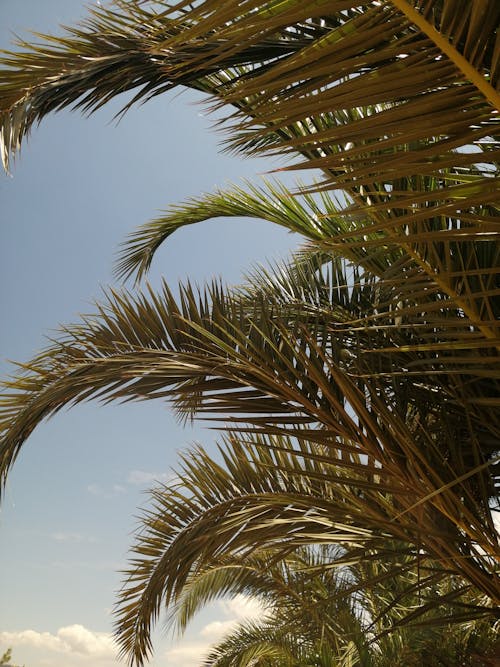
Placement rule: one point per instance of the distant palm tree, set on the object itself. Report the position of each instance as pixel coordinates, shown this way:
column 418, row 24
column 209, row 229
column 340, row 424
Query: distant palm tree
column 5, row 658
column 376, row 354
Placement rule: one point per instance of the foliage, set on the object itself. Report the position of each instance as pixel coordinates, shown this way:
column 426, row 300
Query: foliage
column 360, row 382
column 322, row 605
column 6, row 658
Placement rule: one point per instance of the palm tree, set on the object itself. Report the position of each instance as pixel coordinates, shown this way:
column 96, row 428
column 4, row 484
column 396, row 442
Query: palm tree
column 376, row 353
column 310, row 617
column 321, row 604
column 281, row 357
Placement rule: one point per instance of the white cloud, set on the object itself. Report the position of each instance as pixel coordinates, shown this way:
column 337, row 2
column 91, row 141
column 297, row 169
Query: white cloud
column 189, row 654
column 215, row 631
column 32, row 638
column 72, row 639
column 82, row 640
column 236, row 610
column 242, row 607
column 115, row 490
column 65, row 536
column 77, row 646
column 144, row 477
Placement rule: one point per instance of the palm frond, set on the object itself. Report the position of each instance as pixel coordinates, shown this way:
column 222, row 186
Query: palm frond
column 281, row 365
column 259, row 644
column 367, row 93
column 114, row 50
column 264, row 502
column 320, row 220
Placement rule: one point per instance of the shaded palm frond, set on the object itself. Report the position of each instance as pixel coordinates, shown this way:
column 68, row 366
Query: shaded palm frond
column 214, row 531
column 395, row 102
column 114, row 50
column 260, row 644
column 297, row 587
column 281, row 365
column 350, row 615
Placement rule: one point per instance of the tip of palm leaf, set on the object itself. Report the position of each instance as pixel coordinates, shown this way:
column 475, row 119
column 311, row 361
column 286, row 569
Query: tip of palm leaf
column 136, row 253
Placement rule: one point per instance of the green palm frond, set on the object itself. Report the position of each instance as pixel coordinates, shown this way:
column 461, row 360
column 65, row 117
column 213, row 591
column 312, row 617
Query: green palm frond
column 299, row 585
column 319, row 219
column 254, row 644
column 265, row 644
column 447, row 339
column 417, row 293
column 345, row 600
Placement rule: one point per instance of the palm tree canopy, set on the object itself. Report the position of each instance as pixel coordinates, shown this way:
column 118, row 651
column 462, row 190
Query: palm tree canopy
column 368, row 93
column 292, row 354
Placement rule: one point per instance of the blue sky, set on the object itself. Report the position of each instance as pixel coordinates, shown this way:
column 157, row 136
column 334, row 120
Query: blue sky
column 79, row 186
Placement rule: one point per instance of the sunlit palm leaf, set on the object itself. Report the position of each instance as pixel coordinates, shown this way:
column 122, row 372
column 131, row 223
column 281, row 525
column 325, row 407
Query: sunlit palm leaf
column 416, row 293
column 281, row 364
column 367, row 93
column 261, row 644
column 264, row 501
column 317, row 219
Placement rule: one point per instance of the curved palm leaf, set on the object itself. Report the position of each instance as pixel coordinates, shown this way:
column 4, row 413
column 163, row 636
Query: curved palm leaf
column 306, row 610
column 274, row 643
column 394, row 101
column 259, row 645
column 394, row 374
column 416, row 294
column 319, row 221
column 304, row 588
column 216, row 531
column 115, row 50
column 298, row 366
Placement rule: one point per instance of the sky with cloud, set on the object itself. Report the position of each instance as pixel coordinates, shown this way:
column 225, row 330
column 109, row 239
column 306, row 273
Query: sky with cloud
column 71, row 503
column 77, row 646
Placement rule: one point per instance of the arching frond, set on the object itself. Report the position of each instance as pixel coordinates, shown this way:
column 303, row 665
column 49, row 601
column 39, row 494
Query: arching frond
column 282, row 365
column 368, row 93
column 317, row 219
column 214, row 531
column 394, row 101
